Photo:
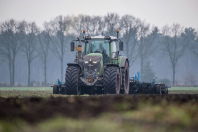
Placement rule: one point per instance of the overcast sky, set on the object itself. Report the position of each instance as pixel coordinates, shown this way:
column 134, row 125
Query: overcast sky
column 155, row 12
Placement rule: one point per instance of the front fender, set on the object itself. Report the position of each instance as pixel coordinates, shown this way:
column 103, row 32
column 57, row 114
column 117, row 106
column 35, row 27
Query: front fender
column 76, row 65
column 114, row 65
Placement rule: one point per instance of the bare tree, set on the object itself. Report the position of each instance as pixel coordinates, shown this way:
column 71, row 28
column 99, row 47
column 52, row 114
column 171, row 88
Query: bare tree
column 10, row 45
column 44, row 41
column 77, row 25
column 129, row 28
column 193, row 36
column 91, row 24
column 60, row 27
column 190, row 79
column 28, row 38
column 194, row 48
column 95, row 28
column 111, row 23
column 173, row 44
column 147, row 38
column 80, row 23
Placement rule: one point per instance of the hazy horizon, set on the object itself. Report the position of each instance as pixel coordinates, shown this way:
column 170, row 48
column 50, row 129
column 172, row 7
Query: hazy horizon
column 155, row 12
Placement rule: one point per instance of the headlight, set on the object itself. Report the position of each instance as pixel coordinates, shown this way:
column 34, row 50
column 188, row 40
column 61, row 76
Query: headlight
column 96, row 61
column 86, row 62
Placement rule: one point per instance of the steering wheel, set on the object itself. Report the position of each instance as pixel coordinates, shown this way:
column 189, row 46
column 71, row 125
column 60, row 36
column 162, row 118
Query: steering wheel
column 98, row 51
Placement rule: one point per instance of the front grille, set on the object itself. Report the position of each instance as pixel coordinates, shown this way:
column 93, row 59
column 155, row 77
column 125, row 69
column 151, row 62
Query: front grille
column 91, row 70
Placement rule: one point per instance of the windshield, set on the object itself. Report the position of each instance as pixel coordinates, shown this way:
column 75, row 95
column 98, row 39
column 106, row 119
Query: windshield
column 97, row 46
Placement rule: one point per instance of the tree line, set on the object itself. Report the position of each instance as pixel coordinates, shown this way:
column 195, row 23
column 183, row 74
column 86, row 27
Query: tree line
column 141, row 40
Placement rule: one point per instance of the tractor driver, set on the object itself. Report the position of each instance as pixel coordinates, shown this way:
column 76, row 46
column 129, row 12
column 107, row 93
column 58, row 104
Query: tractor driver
column 105, row 56
column 101, row 47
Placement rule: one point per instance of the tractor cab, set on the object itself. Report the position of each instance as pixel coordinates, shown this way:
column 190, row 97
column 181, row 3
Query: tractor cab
column 98, row 45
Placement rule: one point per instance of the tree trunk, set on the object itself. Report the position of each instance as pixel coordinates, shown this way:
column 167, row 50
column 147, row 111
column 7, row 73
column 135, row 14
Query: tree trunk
column 62, row 69
column 10, row 74
column 62, row 54
column 28, row 73
column 142, row 65
column 173, row 74
column 45, row 72
column 13, row 74
column 13, row 69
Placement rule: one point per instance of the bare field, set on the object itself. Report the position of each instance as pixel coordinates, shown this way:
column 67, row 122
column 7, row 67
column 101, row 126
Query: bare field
column 39, row 92
column 41, row 111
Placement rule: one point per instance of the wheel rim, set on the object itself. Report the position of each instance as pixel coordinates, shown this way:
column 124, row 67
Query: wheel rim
column 126, row 79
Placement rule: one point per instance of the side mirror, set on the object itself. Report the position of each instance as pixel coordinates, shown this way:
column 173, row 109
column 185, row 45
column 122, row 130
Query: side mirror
column 121, row 46
column 72, row 46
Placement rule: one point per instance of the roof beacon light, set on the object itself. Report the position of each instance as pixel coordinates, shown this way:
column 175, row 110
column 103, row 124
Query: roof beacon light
column 117, row 33
column 84, row 34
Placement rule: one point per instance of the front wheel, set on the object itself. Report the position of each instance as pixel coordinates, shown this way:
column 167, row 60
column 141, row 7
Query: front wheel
column 111, row 80
column 71, row 81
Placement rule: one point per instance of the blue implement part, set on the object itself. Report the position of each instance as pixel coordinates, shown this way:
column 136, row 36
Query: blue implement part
column 60, row 83
column 138, row 76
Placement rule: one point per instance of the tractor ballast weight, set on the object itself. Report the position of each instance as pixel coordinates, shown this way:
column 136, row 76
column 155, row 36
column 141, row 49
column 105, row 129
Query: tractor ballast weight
column 100, row 69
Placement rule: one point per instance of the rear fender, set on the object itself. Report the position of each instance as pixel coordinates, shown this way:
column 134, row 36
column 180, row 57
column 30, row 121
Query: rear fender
column 123, row 61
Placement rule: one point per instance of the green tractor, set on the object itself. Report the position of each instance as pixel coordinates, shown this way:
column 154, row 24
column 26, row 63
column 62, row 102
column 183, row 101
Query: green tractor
column 100, row 69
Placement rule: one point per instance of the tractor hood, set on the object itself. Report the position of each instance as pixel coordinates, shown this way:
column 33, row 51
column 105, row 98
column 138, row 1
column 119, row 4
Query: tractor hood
column 92, row 56
column 92, row 67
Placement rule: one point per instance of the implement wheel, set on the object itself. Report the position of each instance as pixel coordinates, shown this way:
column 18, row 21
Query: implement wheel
column 125, row 79
column 71, row 80
column 111, row 80
column 62, row 90
column 55, row 89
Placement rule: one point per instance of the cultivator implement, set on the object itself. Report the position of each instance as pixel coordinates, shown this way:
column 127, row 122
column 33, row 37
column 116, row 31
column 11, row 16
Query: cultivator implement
column 139, row 87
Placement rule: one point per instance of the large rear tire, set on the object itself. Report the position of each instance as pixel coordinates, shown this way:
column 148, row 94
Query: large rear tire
column 71, row 80
column 158, row 89
column 55, row 89
column 111, row 80
column 125, row 79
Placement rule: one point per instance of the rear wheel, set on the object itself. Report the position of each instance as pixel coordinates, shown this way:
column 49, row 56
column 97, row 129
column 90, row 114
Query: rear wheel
column 71, row 80
column 157, row 89
column 111, row 80
column 55, row 89
column 125, row 79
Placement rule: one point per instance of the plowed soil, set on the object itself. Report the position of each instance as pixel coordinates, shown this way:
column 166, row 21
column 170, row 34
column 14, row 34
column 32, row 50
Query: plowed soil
column 42, row 111
column 35, row 109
